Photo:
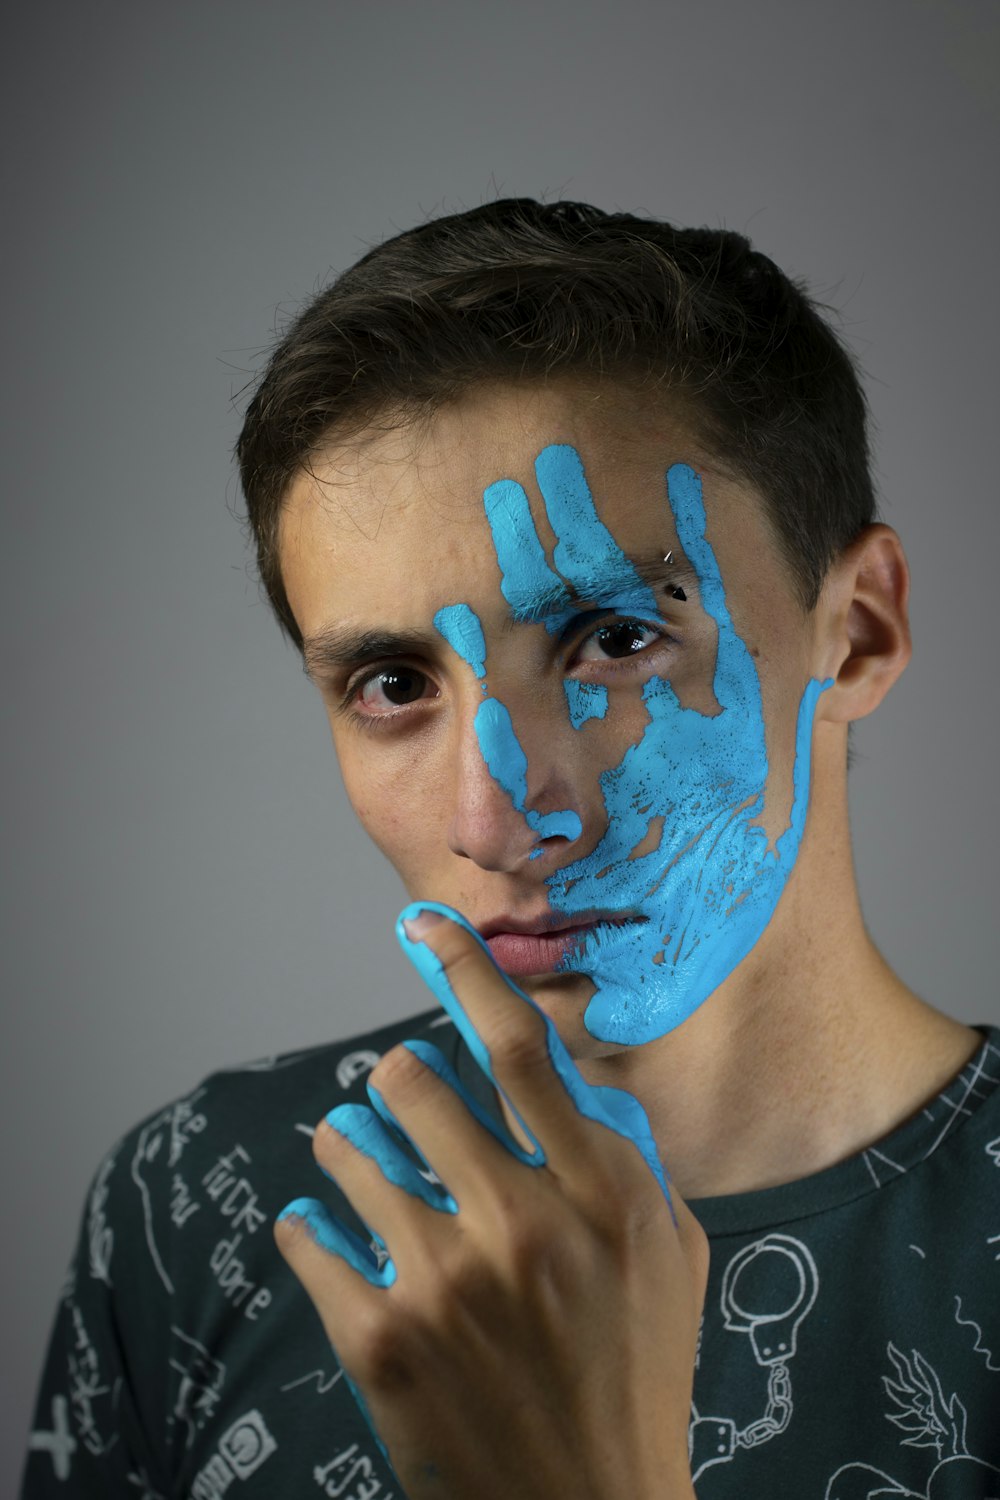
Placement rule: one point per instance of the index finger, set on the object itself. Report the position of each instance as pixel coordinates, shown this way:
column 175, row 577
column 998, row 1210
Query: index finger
column 517, row 1046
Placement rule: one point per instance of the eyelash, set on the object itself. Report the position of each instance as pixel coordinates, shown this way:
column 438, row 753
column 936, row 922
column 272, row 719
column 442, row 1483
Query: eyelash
column 381, row 721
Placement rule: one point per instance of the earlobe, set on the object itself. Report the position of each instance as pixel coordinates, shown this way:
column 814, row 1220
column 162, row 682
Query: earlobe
column 864, row 623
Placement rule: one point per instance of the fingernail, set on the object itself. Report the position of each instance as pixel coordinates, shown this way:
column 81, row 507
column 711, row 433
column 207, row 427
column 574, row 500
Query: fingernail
column 417, row 928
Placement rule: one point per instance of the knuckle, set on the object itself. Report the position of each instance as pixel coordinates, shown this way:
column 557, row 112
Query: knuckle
column 456, row 950
column 465, row 1280
column 625, row 1206
column 517, row 1042
column 401, row 1074
column 381, row 1351
column 539, row 1254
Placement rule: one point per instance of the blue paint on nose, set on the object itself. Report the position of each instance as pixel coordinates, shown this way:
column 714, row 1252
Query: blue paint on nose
column 508, row 765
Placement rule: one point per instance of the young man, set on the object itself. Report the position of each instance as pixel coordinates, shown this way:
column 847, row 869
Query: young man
column 683, row 1191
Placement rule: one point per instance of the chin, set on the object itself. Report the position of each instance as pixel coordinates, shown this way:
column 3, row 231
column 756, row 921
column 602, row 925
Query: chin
column 564, row 999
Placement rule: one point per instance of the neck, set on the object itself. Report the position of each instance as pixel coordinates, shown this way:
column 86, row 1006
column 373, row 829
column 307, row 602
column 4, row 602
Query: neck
column 812, row 1049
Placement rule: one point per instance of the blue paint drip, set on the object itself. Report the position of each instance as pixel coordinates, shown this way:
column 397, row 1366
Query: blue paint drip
column 367, row 1134
column 463, row 631
column 587, row 700
column 508, row 765
column 613, row 1108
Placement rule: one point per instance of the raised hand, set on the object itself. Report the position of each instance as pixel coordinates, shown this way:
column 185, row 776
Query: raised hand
column 533, row 1329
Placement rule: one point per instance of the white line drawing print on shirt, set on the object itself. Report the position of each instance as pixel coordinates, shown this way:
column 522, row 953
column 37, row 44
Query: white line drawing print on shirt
column 243, row 1447
column 973, row 1074
column 930, row 1421
column 240, row 1205
column 338, row 1477
column 176, row 1124
column 992, row 1149
column 355, row 1065
column 324, row 1382
column 200, row 1385
column 100, row 1235
column 87, row 1391
column 59, row 1442
column 979, row 1347
column 771, row 1319
column 141, row 1481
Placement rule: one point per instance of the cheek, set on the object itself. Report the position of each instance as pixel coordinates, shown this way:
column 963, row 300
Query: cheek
column 393, row 803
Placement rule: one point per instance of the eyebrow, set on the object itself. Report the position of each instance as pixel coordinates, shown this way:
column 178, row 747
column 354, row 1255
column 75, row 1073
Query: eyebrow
column 342, row 648
column 345, row 648
column 653, row 571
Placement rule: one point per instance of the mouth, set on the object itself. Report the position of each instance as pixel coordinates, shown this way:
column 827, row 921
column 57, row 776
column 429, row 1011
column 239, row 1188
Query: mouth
column 523, row 949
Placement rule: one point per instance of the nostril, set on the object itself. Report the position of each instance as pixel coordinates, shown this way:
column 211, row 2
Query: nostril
column 565, row 825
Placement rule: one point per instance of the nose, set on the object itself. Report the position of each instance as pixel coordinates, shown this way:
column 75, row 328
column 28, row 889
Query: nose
column 500, row 819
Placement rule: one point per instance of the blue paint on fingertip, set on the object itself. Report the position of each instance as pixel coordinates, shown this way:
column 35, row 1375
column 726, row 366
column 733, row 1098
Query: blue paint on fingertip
column 368, row 1134
column 508, row 765
column 432, row 971
column 336, row 1239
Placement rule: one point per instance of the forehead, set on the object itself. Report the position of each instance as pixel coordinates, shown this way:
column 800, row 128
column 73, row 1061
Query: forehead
column 393, row 523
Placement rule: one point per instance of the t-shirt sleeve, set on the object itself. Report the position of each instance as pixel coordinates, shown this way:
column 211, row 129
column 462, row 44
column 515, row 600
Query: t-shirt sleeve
column 87, row 1437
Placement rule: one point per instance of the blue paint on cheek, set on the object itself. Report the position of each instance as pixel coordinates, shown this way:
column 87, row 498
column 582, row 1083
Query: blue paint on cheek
column 461, row 628
column 508, row 765
column 586, row 700
column 688, row 793
column 708, row 882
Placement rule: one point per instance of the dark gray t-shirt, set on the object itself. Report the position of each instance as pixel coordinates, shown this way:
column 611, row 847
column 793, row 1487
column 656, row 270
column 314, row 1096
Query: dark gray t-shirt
column 850, row 1346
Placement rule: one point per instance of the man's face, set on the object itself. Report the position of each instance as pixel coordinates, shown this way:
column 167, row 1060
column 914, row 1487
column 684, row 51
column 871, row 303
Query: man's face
column 568, row 683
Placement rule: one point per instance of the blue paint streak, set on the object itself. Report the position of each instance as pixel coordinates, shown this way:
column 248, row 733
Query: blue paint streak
column 587, row 700
column 527, row 582
column 337, row 1239
column 463, row 631
column 508, row 765
column 586, row 554
column 367, row 1134
column 614, row 1108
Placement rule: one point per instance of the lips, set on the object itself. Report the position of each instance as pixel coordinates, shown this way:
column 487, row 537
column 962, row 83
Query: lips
column 524, row 949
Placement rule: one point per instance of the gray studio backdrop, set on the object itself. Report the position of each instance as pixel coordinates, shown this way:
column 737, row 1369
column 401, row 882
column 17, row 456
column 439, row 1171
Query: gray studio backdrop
column 185, row 886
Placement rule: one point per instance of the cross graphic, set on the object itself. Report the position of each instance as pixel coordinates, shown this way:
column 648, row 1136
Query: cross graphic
column 59, row 1442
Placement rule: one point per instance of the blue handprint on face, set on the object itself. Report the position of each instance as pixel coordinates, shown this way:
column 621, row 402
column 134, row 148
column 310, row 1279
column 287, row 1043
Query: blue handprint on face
column 687, row 793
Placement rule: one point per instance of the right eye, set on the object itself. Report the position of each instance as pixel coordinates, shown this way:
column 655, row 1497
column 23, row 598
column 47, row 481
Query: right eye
column 389, row 689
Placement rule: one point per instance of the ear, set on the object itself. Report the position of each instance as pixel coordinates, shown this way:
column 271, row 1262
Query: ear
column 863, row 624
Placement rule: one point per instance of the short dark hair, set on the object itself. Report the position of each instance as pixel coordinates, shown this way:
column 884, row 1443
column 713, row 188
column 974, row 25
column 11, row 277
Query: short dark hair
column 518, row 289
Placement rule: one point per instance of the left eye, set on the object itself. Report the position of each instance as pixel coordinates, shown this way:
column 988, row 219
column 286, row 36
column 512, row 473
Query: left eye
column 617, row 639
